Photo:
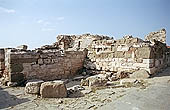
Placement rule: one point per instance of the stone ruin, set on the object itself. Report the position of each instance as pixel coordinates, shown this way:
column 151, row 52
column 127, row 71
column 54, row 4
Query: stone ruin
column 85, row 54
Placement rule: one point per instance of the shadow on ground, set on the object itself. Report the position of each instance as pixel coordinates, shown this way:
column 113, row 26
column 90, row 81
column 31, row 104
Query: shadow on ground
column 8, row 100
column 163, row 73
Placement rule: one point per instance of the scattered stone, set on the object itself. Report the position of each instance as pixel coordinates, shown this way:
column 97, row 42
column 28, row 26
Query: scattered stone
column 84, row 82
column 53, row 89
column 74, row 89
column 140, row 74
column 33, row 86
column 113, row 78
column 122, row 74
column 97, row 81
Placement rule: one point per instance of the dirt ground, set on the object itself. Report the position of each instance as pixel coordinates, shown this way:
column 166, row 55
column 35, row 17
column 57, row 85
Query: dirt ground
column 153, row 94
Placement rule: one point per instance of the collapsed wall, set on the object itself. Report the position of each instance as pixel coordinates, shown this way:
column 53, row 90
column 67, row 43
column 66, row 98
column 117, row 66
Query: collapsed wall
column 92, row 53
column 127, row 54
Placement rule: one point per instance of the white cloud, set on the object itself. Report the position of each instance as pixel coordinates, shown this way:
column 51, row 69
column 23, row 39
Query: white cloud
column 40, row 21
column 5, row 10
column 60, row 18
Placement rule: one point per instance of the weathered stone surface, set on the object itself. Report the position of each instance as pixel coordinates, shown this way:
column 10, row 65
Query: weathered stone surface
column 97, row 80
column 95, row 54
column 74, row 89
column 140, row 74
column 55, row 89
column 158, row 36
column 22, row 47
column 33, row 86
column 16, row 68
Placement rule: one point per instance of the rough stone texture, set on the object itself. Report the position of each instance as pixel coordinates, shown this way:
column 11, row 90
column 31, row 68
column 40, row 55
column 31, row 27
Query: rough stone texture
column 2, row 61
column 95, row 54
column 95, row 81
column 22, row 47
column 158, row 36
column 36, row 65
column 55, row 89
column 140, row 74
column 33, row 86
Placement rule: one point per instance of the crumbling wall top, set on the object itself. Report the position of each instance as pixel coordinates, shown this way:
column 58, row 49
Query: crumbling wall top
column 157, row 36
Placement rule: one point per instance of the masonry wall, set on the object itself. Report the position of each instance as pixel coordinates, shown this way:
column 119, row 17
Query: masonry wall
column 128, row 54
column 2, row 61
column 45, row 65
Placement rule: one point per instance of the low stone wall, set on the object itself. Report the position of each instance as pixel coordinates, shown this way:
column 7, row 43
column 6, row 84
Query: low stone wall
column 2, row 61
column 45, row 65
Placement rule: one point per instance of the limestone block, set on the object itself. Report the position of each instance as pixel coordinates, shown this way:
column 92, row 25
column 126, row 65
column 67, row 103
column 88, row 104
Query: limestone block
column 144, row 52
column 141, row 65
column 140, row 74
column 122, row 48
column 40, row 61
column 119, row 54
column 27, row 66
column 36, row 66
column 146, row 61
column 47, row 61
column 33, row 86
column 22, row 47
column 55, row 89
column 97, row 80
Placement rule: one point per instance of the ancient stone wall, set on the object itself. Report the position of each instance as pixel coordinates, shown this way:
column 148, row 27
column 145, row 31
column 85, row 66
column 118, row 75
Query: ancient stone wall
column 158, row 36
column 45, row 65
column 93, row 53
column 126, row 54
column 2, row 61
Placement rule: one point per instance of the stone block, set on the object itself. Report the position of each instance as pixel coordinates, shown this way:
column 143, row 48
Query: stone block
column 47, row 61
column 40, row 61
column 140, row 74
column 55, row 89
column 146, row 61
column 22, row 47
column 33, row 86
column 122, row 48
column 119, row 54
column 97, row 80
column 143, row 52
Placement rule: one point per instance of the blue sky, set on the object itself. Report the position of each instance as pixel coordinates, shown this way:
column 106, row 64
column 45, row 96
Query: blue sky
column 38, row 22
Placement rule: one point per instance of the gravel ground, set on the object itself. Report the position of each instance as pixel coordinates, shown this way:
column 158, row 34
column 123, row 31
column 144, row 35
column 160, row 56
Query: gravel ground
column 154, row 94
